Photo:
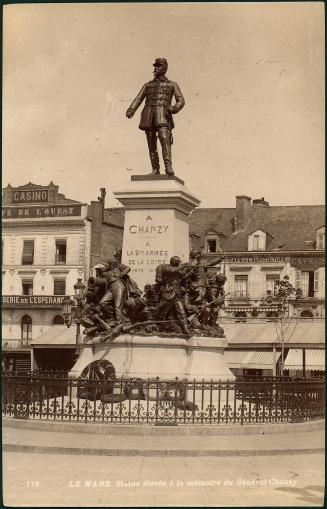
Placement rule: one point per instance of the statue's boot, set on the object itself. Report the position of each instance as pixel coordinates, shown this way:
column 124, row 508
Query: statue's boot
column 154, row 156
column 166, row 154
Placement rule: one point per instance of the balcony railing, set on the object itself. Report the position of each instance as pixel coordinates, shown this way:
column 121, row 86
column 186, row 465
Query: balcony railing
column 16, row 344
column 56, row 397
column 60, row 258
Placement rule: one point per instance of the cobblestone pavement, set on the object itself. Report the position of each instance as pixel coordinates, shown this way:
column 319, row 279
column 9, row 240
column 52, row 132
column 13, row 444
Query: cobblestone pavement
column 43, row 480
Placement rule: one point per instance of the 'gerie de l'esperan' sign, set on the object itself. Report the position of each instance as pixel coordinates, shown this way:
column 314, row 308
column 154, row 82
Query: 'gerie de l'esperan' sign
column 32, row 300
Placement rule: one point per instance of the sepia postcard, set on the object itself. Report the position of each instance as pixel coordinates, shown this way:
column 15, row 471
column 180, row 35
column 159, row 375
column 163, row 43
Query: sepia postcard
column 163, row 254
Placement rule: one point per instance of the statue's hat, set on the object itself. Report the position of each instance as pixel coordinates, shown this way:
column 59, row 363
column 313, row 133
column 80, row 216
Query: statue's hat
column 161, row 61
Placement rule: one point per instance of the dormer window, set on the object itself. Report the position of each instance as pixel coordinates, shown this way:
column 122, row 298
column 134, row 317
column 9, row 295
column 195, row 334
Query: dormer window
column 320, row 238
column 257, row 241
column 212, row 244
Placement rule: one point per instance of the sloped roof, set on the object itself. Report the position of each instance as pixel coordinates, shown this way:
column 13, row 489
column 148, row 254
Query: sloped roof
column 298, row 332
column 217, row 219
column 61, row 199
column 30, row 185
column 288, row 227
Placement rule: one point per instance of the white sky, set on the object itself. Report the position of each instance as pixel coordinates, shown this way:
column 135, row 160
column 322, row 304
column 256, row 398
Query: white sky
column 252, row 75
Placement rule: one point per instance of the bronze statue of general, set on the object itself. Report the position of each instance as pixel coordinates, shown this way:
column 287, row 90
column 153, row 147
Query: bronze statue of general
column 156, row 117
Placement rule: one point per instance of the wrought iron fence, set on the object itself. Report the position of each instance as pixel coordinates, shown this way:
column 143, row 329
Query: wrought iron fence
column 56, row 397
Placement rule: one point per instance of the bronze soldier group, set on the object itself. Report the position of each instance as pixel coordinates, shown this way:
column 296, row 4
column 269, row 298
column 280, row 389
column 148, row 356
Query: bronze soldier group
column 184, row 300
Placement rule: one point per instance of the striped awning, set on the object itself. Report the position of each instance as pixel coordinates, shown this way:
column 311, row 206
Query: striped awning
column 235, row 358
column 250, row 359
column 314, row 359
column 297, row 332
column 261, row 360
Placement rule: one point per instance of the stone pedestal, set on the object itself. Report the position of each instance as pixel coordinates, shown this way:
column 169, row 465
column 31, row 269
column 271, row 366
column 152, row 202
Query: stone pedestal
column 157, row 212
column 197, row 358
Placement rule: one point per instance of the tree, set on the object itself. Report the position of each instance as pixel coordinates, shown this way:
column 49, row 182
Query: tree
column 284, row 293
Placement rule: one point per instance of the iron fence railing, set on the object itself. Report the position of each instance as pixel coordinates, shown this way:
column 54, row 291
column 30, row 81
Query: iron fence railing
column 54, row 396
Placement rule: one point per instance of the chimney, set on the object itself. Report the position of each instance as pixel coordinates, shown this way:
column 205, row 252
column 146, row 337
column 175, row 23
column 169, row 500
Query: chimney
column 102, row 199
column 243, row 211
column 260, row 203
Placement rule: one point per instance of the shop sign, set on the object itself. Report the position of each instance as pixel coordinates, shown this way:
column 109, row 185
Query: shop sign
column 31, row 212
column 32, row 195
column 303, row 263
column 32, row 300
column 255, row 259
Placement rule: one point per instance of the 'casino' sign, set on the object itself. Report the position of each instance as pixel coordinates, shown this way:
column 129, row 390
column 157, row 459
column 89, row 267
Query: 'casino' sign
column 30, row 196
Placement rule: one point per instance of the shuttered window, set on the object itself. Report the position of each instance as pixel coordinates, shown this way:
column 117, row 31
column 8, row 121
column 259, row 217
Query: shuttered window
column 256, row 239
column 316, row 281
column 320, row 241
column 270, row 282
column 61, row 249
column 27, row 286
column 59, row 287
column 28, row 252
column 241, row 286
column 26, row 329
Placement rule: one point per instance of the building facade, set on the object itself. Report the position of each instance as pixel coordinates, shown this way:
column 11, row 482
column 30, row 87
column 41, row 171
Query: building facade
column 260, row 245
column 48, row 243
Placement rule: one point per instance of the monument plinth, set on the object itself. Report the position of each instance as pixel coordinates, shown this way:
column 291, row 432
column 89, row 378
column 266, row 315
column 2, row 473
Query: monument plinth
column 157, row 210
column 146, row 357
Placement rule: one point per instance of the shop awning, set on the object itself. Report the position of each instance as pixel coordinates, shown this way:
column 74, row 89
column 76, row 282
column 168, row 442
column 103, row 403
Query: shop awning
column 261, row 360
column 250, row 359
column 296, row 333
column 235, row 358
column 314, row 360
column 56, row 336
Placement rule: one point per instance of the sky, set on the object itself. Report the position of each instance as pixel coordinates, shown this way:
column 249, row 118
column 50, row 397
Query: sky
column 252, row 75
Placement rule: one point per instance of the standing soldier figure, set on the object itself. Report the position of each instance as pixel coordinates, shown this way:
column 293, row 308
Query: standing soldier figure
column 170, row 277
column 156, row 117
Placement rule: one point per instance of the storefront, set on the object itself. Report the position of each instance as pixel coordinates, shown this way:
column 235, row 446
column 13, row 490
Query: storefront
column 254, row 349
column 54, row 349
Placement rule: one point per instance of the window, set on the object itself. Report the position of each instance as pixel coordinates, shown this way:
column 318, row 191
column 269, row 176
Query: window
column 61, row 248
column 256, row 239
column 58, row 320
column 27, row 287
column 211, row 246
column 271, row 315
column 26, row 329
column 240, row 316
column 59, row 287
column 28, row 252
column 241, row 286
column 270, row 283
column 306, row 314
column 307, row 283
column 320, row 241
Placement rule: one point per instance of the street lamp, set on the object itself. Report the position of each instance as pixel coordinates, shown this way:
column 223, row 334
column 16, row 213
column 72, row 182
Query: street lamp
column 79, row 288
column 72, row 310
column 66, row 309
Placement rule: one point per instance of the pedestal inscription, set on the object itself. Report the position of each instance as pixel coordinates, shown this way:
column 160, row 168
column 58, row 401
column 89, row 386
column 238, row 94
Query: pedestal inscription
column 151, row 238
column 156, row 224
